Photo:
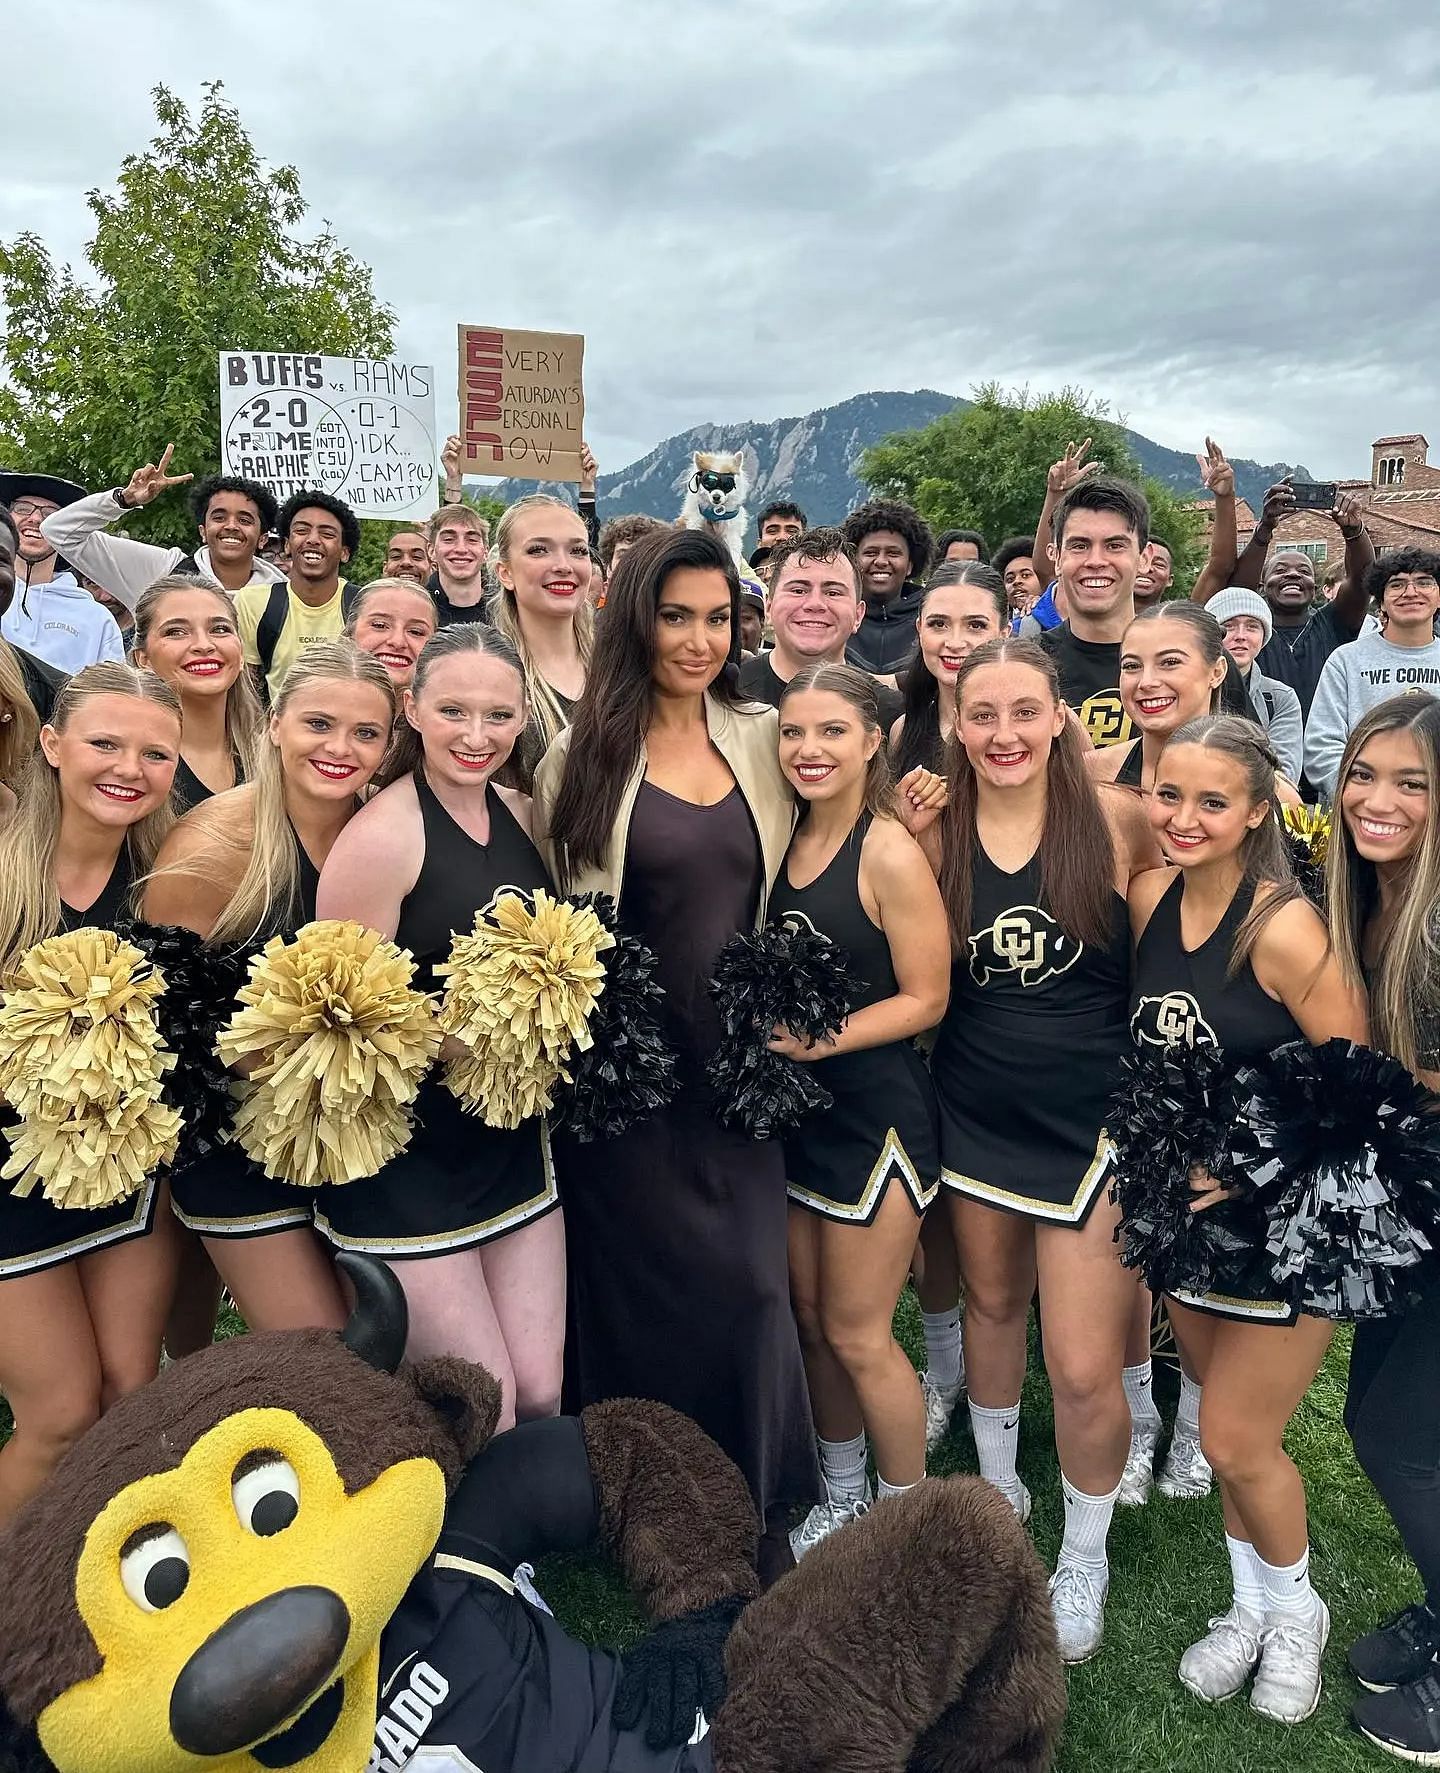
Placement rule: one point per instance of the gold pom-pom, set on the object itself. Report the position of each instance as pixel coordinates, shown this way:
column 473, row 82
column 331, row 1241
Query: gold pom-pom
column 1311, row 825
column 522, row 986
column 83, row 1064
column 343, row 1041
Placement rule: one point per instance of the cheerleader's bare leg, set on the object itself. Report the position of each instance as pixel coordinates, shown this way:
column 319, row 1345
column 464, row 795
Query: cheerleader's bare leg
column 281, row 1280
column 49, row 1374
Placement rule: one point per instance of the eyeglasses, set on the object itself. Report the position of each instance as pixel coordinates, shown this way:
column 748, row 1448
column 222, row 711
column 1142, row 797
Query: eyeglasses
column 32, row 508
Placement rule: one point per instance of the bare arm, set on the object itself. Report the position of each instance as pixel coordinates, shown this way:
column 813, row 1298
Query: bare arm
column 375, row 861
column 1137, row 849
column 1062, row 475
column 1350, row 601
column 1294, row 962
column 1219, row 568
column 1279, row 502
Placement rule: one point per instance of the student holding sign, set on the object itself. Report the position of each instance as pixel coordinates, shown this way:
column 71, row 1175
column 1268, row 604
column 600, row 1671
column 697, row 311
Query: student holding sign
column 320, row 533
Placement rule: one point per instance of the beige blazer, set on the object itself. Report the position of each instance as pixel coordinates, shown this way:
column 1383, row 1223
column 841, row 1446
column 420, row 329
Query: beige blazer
column 747, row 739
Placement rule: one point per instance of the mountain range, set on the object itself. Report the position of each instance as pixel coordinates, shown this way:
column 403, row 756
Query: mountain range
column 814, row 459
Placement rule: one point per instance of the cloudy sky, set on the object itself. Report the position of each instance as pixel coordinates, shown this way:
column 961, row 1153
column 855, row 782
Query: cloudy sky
column 1220, row 214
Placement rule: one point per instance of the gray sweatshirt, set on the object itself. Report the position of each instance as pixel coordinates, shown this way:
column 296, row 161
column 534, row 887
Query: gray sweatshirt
column 1277, row 708
column 1355, row 677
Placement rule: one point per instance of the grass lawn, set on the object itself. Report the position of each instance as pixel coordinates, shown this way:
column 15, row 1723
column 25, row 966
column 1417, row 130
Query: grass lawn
column 1128, row 1713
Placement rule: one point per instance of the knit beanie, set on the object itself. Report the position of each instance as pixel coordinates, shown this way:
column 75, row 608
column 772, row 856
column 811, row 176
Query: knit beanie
column 1237, row 601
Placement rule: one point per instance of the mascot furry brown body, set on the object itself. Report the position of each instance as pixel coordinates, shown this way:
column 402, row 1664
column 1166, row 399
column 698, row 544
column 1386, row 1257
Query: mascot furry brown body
column 285, row 1553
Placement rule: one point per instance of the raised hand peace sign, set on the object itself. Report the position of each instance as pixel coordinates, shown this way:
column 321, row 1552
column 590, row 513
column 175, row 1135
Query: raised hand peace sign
column 150, row 481
column 1071, row 467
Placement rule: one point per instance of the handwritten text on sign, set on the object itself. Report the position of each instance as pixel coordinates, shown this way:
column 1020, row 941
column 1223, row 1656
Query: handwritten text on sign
column 522, row 402
column 359, row 427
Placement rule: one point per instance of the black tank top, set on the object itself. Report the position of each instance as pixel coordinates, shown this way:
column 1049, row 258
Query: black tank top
column 1019, row 961
column 1184, row 998
column 111, row 907
column 1128, row 775
column 458, row 876
column 831, row 906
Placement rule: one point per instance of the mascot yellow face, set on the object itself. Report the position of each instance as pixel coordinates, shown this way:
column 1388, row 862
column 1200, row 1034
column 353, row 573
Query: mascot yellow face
column 205, row 1581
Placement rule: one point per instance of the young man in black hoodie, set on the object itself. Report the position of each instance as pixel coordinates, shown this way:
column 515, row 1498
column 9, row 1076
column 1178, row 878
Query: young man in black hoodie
column 893, row 545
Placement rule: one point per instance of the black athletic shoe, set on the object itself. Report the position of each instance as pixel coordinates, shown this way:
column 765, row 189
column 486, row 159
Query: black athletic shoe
column 1405, row 1722
column 1397, row 1652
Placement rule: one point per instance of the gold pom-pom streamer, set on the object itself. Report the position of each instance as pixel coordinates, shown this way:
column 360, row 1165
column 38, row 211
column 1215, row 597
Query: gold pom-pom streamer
column 83, row 1064
column 1311, row 825
column 522, row 986
column 343, row 1041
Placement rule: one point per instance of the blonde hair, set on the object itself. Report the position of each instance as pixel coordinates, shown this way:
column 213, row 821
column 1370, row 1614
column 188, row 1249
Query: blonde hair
column 244, row 717
column 29, row 897
column 547, row 713
column 268, row 855
column 20, row 732
column 1404, row 991
column 411, row 585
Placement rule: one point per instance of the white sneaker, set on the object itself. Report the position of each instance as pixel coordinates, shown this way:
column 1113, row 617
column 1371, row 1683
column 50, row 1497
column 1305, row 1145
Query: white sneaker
column 1077, row 1598
column 1287, row 1687
column 1187, row 1475
column 824, row 1519
column 1219, row 1665
column 1138, row 1478
column 1018, row 1498
column 940, row 1402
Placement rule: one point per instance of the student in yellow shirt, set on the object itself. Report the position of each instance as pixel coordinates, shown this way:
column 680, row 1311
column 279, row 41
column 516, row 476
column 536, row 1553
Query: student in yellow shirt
column 277, row 622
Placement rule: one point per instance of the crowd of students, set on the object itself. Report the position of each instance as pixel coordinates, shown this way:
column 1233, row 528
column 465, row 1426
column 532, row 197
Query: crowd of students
column 1031, row 798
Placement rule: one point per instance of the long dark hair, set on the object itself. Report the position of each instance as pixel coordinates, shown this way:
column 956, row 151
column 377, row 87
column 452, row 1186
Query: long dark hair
column 611, row 718
column 920, row 740
column 1077, row 852
column 860, row 691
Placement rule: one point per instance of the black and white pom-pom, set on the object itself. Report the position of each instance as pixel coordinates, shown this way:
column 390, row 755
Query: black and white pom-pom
column 783, row 974
column 628, row 1072
column 1342, row 1150
column 199, row 998
column 1173, row 1112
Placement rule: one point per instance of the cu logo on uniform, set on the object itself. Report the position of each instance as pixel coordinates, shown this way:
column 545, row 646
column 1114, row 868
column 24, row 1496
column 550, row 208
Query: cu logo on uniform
column 1104, row 718
column 1023, row 940
column 1171, row 1021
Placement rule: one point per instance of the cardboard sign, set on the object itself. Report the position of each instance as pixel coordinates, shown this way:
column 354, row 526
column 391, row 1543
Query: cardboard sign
column 362, row 428
column 522, row 402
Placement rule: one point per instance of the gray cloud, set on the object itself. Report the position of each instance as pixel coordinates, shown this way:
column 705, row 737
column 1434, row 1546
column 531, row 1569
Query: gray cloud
column 1215, row 217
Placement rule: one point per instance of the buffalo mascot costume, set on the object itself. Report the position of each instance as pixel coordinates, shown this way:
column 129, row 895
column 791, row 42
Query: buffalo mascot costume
column 291, row 1551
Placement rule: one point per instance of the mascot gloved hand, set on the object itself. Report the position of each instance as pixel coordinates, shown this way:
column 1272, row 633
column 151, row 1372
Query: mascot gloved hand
column 290, row 1552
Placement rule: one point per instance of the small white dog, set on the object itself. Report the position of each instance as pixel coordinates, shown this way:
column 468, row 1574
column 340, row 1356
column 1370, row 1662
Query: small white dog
column 716, row 499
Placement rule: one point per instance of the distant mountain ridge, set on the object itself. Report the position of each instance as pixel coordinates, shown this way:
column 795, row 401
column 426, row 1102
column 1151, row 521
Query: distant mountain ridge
column 813, row 459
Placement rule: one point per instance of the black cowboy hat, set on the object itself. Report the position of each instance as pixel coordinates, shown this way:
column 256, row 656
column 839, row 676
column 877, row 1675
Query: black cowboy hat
column 17, row 485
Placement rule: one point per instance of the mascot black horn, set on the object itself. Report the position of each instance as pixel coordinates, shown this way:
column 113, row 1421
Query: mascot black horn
column 291, row 1552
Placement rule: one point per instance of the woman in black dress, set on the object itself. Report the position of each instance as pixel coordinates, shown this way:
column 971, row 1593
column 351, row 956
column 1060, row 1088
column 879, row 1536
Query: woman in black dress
column 1231, row 955
column 466, row 1211
column 186, row 633
column 862, row 1170
column 666, row 793
column 83, row 1290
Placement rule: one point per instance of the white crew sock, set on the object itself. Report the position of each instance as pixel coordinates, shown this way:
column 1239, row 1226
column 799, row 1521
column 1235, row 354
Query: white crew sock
column 1288, row 1594
column 997, row 1441
column 882, row 1489
column 944, row 1355
column 1245, row 1573
column 1139, row 1396
column 1087, row 1526
column 1187, row 1416
column 842, row 1465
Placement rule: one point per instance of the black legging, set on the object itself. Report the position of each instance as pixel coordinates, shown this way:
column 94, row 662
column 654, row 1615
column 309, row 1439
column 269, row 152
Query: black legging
column 1392, row 1412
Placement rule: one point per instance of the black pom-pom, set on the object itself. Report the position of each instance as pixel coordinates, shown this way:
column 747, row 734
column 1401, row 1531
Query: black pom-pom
column 200, row 987
column 784, row 973
column 1342, row 1146
column 628, row 1073
column 1173, row 1112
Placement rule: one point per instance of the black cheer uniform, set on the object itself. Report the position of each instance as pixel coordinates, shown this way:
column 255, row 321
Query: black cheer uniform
column 226, row 1194
column 1182, row 997
column 1029, row 1051
column 882, row 1126
column 459, row 1182
column 35, row 1233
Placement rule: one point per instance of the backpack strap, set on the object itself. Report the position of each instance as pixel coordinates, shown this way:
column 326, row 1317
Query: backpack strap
column 272, row 623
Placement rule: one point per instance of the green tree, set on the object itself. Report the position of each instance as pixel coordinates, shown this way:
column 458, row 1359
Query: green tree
column 983, row 466
column 195, row 253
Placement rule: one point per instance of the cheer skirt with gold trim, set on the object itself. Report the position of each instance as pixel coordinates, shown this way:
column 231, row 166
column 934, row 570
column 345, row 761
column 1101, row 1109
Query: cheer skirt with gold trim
column 881, row 1128
column 35, row 1234
column 1022, row 1120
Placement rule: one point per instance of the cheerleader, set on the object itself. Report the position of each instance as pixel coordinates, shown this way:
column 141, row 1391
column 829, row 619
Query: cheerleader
column 861, row 1172
column 83, row 1290
column 391, row 620
column 19, row 728
column 466, row 1212
column 1382, row 888
column 1231, row 955
column 963, row 607
column 185, row 632
column 542, row 606
column 242, row 868
column 1033, row 864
